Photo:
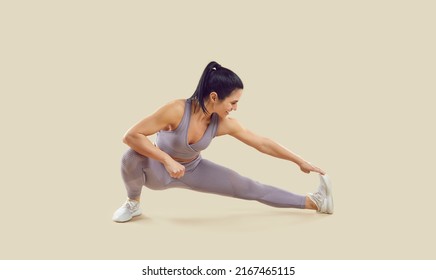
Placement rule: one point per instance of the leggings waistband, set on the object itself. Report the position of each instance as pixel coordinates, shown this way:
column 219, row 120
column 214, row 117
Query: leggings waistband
column 190, row 166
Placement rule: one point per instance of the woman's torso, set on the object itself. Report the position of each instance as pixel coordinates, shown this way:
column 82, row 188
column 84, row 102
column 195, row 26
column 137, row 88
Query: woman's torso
column 185, row 140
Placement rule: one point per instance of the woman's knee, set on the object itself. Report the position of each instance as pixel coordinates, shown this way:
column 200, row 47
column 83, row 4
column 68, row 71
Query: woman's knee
column 247, row 188
column 131, row 159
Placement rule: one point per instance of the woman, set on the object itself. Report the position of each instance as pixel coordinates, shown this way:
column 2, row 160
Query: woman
column 186, row 127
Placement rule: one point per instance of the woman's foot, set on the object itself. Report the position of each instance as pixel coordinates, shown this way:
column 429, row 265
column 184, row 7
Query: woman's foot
column 127, row 211
column 323, row 198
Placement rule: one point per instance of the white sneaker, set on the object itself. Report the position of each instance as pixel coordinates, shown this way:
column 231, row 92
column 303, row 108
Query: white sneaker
column 127, row 211
column 323, row 198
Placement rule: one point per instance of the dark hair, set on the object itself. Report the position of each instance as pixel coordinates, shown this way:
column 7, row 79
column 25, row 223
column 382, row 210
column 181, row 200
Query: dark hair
column 218, row 79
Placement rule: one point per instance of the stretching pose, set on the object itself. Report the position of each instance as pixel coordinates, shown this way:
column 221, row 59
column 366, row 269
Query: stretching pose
column 184, row 128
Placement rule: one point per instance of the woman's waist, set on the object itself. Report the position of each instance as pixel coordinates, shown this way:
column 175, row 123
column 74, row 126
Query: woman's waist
column 180, row 157
column 184, row 160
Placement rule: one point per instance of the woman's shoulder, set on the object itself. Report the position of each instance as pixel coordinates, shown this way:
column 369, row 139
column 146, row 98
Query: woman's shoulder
column 172, row 112
column 228, row 125
column 174, row 107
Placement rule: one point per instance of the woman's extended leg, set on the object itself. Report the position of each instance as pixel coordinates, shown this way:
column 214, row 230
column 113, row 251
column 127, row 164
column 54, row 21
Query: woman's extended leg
column 212, row 178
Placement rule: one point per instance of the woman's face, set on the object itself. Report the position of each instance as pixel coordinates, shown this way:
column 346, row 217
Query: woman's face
column 228, row 104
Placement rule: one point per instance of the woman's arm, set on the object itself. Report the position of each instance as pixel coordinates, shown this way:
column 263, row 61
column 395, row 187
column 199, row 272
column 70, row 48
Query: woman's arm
column 168, row 116
column 265, row 145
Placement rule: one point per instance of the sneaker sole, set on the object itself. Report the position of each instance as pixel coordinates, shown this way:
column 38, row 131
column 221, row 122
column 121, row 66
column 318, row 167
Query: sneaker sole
column 329, row 192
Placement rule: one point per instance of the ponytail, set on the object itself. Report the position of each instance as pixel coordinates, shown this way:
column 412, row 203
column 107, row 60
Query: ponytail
column 218, row 79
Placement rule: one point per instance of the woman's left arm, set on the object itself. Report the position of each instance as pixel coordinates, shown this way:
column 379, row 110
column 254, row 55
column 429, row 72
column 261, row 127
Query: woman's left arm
column 267, row 145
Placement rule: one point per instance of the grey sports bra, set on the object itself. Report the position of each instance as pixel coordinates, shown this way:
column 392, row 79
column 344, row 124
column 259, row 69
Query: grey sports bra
column 175, row 142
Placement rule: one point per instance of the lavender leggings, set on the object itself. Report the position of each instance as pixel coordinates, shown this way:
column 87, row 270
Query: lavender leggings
column 204, row 176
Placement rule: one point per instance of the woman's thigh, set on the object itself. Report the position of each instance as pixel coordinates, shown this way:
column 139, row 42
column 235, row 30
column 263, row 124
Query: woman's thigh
column 149, row 171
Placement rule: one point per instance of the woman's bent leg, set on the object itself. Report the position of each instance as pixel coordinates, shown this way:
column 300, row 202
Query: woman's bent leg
column 138, row 171
column 132, row 165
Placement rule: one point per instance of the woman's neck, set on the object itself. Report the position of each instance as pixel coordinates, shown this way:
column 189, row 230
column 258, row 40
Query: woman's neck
column 198, row 113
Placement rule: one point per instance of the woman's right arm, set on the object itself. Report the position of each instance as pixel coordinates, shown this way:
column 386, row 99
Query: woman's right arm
column 168, row 116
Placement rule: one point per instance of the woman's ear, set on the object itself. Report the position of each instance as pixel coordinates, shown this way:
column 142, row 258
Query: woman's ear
column 213, row 96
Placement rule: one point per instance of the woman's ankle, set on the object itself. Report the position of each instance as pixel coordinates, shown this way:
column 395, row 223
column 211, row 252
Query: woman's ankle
column 310, row 204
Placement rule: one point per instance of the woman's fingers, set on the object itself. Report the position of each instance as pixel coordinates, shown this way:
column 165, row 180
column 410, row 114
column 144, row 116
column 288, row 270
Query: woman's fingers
column 175, row 169
column 319, row 170
column 308, row 167
column 179, row 172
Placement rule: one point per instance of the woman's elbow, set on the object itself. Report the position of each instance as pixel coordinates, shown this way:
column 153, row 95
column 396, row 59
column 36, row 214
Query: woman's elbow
column 127, row 138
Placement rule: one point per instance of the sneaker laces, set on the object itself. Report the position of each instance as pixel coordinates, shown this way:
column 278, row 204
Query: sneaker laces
column 319, row 198
column 131, row 205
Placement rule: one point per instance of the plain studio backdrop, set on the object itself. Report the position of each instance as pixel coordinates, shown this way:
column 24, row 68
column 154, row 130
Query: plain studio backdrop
column 348, row 85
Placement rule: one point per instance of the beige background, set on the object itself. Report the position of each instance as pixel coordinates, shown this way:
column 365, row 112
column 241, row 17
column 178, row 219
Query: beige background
column 349, row 85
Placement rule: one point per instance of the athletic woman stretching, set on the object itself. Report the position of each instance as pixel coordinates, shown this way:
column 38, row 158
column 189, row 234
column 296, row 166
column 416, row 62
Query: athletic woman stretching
column 184, row 128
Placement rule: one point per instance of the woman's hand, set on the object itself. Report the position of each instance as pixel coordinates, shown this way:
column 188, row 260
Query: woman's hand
column 175, row 169
column 307, row 167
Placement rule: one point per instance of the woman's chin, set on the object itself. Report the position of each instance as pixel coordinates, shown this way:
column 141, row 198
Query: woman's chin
column 223, row 115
